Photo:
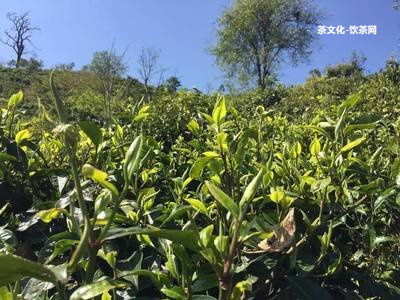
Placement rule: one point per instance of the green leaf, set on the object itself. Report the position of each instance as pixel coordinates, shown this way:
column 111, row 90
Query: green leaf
column 142, row 114
column 251, row 189
column 198, row 167
column 307, row 289
column 197, row 205
column 14, row 268
column 206, row 235
column 6, row 157
column 193, row 127
column 93, row 131
column 97, row 288
column 98, row 176
column 22, row 135
column 186, row 238
column 353, row 144
column 351, row 101
column 240, row 150
column 219, row 111
column 221, row 244
column 351, row 128
column 315, row 147
column 15, row 99
column 7, row 238
column 158, row 278
column 385, row 195
column 203, row 297
column 223, row 199
column 176, row 213
column 208, row 118
column 102, row 200
column 132, row 158
column 210, row 154
column 320, row 184
column 205, row 282
column 174, row 293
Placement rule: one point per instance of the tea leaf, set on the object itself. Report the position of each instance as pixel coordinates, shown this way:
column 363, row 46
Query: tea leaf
column 353, row 144
column 132, row 158
column 251, row 189
column 97, row 288
column 99, row 176
column 14, row 268
column 93, row 131
column 22, row 135
column 15, row 99
column 223, row 199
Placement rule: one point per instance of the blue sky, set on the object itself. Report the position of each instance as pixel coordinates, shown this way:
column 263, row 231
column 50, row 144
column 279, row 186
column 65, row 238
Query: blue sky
column 71, row 30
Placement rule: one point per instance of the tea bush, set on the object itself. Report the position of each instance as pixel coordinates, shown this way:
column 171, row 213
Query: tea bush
column 240, row 204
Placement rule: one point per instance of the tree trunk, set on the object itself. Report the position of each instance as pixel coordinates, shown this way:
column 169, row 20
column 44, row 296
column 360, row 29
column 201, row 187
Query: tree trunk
column 17, row 63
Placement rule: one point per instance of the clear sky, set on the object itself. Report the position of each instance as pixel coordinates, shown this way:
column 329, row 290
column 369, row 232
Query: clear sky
column 71, row 30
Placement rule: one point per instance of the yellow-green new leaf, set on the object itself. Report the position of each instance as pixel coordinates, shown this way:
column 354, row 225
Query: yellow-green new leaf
column 22, row 135
column 277, row 194
column 353, row 144
column 251, row 189
column 15, row 99
column 197, row 205
column 315, row 147
column 219, row 111
column 142, row 114
column 206, row 236
column 99, row 176
column 97, row 288
column 5, row 294
column 197, row 169
column 132, row 158
column 48, row 215
column 223, row 199
column 193, row 127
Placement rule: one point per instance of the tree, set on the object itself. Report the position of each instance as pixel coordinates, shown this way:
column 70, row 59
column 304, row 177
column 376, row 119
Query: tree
column 172, row 84
column 65, row 67
column 315, row 73
column 107, row 66
column 354, row 68
column 255, row 36
column 19, row 35
column 33, row 65
column 147, row 61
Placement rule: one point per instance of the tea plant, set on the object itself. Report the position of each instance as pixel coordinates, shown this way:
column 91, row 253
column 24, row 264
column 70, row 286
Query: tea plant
column 238, row 208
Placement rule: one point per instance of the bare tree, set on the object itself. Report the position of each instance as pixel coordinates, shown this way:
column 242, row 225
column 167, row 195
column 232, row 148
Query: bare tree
column 19, row 35
column 108, row 66
column 148, row 60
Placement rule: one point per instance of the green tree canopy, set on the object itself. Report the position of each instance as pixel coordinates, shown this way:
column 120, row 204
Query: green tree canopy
column 256, row 36
column 107, row 66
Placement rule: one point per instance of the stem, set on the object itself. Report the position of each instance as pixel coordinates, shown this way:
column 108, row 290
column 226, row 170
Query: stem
column 225, row 280
column 112, row 216
column 87, row 230
column 16, row 290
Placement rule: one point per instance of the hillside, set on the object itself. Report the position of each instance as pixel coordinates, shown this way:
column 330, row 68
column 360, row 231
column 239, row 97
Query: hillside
column 297, row 188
